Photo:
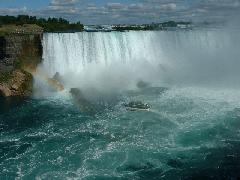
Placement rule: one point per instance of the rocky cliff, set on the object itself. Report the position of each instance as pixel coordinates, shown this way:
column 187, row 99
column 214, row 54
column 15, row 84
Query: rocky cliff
column 20, row 53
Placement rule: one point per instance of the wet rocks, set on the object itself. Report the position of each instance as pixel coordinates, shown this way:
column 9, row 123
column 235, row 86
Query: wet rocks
column 18, row 83
column 82, row 102
column 56, row 82
column 142, row 84
column 57, row 77
column 5, row 90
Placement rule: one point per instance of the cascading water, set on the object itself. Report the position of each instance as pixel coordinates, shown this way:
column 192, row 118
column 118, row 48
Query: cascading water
column 191, row 57
column 190, row 132
column 119, row 57
column 73, row 52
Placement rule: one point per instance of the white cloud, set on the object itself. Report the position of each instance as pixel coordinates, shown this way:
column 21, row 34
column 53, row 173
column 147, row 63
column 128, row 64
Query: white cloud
column 135, row 11
column 170, row 6
column 63, row 2
column 115, row 6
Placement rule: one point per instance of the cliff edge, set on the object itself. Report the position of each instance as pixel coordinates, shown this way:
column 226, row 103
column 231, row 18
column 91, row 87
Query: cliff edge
column 20, row 53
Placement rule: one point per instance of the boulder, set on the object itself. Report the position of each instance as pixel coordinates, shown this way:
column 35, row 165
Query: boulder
column 142, row 84
column 58, row 77
column 82, row 102
column 17, row 83
column 4, row 90
column 56, row 82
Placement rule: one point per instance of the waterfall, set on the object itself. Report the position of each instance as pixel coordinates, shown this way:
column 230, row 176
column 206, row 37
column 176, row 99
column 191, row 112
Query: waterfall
column 74, row 51
column 199, row 56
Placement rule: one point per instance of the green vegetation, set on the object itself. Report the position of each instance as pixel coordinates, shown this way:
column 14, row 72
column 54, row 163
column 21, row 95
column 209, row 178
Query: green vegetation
column 5, row 77
column 174, row 24
column 18, row 64
column 48, row 25
column 24, row 29
column 134, row 28
column 27, row 85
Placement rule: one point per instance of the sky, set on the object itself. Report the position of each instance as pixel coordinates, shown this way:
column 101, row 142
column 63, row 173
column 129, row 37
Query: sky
column 125, row 11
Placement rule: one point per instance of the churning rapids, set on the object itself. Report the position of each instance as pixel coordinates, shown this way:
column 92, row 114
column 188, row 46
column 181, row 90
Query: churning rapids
column 192, row 130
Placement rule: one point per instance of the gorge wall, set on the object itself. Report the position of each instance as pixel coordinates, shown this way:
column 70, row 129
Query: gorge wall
column 20, row 53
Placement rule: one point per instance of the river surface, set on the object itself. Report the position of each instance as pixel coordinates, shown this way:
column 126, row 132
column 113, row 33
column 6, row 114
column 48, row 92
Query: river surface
column 188, row 134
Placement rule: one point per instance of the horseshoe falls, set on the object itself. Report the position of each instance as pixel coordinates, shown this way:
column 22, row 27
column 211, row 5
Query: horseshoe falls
column 207, row 57
column 124, row 57
column 190, row 80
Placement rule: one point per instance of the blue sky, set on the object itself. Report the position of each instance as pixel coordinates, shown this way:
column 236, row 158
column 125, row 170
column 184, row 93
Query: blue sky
column 124, row 11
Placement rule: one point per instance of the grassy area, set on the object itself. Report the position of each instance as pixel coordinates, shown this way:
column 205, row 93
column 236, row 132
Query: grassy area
column 24, row 29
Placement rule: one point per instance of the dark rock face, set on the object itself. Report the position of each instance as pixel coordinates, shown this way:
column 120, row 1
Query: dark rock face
column 3, row 44
column 20, row 50
column 19, row 55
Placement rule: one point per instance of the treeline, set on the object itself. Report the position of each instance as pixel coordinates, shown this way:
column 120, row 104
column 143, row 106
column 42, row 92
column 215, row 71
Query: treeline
column 153, row 26
column 174, row 23
column 49, row 25
column 134, row 28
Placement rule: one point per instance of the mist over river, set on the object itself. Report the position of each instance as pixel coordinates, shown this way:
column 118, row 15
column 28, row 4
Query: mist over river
column 192, row 130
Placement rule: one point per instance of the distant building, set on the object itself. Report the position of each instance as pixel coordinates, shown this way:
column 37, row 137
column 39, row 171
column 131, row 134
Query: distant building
column 98, row 28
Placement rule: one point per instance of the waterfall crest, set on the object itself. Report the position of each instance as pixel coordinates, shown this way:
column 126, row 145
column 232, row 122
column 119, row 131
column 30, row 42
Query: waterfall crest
column 199, row 56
